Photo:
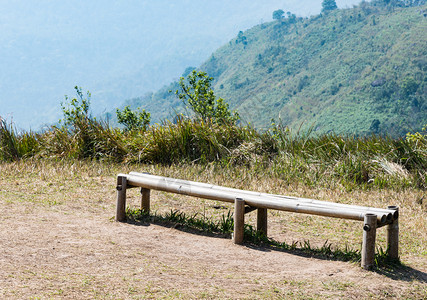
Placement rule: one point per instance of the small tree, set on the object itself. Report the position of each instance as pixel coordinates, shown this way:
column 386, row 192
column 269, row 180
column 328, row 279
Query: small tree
column 196, row 92
column 375, row 126
column 278, row 14
column 76, row 109
column 241, row 38
column 408, row 87
column 133, row 120
column 328, row 5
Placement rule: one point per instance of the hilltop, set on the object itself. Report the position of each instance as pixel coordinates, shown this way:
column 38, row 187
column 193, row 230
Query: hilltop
column 353, row 71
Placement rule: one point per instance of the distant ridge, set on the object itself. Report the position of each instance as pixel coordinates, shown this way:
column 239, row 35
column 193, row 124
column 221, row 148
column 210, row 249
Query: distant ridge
column 352, row 71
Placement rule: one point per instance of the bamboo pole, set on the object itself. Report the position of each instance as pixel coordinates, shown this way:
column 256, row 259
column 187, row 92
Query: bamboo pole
column 368, row 245
column 121, row 198
column 145, row 200
column 174, row 186
column 385, row 215
column 393, row 236
column 239, row 220
column 262, row 220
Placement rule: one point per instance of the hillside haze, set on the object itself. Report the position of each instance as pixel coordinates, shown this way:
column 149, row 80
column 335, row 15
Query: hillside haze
column 115, row 49
column 354, row 71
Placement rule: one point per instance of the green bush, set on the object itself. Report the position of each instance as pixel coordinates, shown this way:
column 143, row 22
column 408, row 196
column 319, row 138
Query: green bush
column 76, row 109
column 196, row 91
column 133, row 120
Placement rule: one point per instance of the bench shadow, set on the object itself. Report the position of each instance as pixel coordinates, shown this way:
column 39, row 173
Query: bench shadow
column 394, row 271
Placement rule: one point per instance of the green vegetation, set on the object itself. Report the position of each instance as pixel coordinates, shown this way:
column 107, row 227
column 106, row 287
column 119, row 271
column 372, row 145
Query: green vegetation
column 195, row 90
column 338, row 72
column 223, row 226
column 278, row 14
column 76, row 109
column 418, row 137
column 133, row 120
column 328, row 5
column 351, row 71
column 323, row 160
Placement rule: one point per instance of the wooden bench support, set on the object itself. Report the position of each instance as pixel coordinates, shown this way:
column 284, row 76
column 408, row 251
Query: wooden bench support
column 145, row 200
column 393, row 236
column 121, row 198
column 249, row 209
column 239, row 220
column 368, row 244
column 261, row 220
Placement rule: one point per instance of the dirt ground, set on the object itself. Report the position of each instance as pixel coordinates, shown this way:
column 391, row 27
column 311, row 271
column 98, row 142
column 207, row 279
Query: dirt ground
column 63, row 249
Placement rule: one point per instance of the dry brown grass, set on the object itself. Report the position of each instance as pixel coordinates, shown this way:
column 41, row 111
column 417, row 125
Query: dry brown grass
column 54, row 209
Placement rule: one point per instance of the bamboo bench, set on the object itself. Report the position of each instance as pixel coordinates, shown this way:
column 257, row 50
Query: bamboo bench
column 246, row 201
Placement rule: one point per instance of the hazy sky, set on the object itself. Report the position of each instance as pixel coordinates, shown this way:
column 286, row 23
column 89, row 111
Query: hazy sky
column 115, row 49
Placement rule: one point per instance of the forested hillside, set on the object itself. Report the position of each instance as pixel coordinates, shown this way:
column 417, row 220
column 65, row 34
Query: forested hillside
column 360, row 70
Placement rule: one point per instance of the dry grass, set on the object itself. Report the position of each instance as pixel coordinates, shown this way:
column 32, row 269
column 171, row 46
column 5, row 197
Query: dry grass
column 60, row 193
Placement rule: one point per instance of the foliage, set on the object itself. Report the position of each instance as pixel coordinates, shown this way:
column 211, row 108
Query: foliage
column 418, row 138
column 409, row 86
column 328, row 5
column 81, row 136
column 133, row 120
column 340, row 71
column 196, row 91
column 241, row 38
column 278, row 14
column 76, row 109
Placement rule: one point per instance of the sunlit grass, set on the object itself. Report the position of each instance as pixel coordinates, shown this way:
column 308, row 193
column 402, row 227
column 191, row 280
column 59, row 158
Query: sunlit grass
column 326, row 160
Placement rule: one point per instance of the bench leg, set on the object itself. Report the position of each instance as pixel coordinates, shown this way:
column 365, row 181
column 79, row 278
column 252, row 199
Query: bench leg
column 393, row 237
column 262, row 220
column 368, row 245
column 239, row 220
column 121, row 199
column 145, row 200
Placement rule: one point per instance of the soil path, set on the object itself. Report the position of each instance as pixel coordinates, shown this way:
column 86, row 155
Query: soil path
column 63, row 252
column 58, row 241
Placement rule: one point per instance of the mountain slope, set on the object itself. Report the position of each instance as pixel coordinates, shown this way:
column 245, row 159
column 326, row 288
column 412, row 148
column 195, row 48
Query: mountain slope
column 358, row 70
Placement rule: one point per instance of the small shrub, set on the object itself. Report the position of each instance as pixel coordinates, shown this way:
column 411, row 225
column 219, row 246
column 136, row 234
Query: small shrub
column 196, row 91
column 418, row 138
column 133, row 120
column 76, row 109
